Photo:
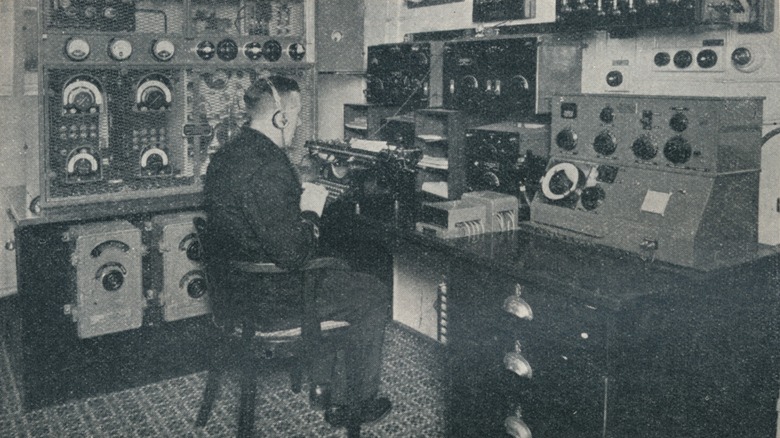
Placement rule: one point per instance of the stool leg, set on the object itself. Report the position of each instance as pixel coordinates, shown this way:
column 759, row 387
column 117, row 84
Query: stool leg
column 209, row 396
column 246, row 407
column 353, row 430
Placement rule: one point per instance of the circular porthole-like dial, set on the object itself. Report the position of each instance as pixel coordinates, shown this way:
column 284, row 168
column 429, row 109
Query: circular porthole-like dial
column 120, row 49
column 77, row 49
column 163, row 50
column 561, row 180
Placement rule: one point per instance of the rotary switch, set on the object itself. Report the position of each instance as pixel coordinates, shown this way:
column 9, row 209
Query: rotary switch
column 253, row 51
column 592, row 197
column 297, row 51
column 227, row 49
column 205, row 50
column 607, row 115
column 272, row 50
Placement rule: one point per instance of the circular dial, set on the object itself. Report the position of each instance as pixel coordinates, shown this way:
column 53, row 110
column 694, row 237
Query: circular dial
column 566, row 139
column 272, row 50
column 205, row 50
column 112, row 279
column 469, row 82
column 197, row 288
column 662, row 59
column 607, row 115
column 679, row 122
column 643, row 148
column 153, row 98
column 592, row 197
column 707, row 58
column 560, row 181
column 163, row 50
column 677, row 150
column 83, row 163
column 154, row 160
column 120, row 49
column 77, row 49
column 227, row 49
column 253, row 51
column 296, row 51
column 614, row 78
column 489, row 180
column 741, row 56
column 605, row 143
column 83, row 100
column 683, row 59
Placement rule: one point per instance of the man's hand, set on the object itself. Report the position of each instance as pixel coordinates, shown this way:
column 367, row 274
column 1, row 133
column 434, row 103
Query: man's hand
column 313, row 198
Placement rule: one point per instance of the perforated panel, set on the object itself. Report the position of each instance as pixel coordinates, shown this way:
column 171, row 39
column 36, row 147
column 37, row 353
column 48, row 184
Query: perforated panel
column 233, row 17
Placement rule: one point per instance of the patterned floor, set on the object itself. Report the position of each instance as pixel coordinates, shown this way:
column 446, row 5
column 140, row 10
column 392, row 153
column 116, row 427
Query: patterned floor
column 412, row 379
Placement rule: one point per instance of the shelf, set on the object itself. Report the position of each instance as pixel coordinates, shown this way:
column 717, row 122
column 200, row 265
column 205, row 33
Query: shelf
column 431, row 138
column 437, row 163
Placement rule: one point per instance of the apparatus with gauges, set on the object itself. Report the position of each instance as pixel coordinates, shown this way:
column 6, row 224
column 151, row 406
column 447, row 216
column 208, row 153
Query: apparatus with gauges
column 670, row 178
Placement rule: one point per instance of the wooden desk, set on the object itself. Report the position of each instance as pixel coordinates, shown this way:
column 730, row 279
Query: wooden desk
column 619, row 346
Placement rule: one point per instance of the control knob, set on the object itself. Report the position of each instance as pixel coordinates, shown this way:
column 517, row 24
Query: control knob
column 679, row 122
column 227, row 49
column 205, row 50
column 683, row 59
column 605, row 143
column 197, row 287
column 297, row 51
column 607, row 115
column 272, row 50
column 566, row 139
column 644, row 148
column 677, row 150
column 253, row 51
column 592, row 197
column 662, row 59
column 707, row 58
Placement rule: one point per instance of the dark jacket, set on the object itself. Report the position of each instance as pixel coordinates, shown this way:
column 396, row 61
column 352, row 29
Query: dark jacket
column 252, row 198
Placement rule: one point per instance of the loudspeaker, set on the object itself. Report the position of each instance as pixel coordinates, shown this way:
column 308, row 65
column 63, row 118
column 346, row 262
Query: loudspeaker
column 339, row 35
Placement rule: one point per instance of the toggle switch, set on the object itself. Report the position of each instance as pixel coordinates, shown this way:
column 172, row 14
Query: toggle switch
column 518, row 306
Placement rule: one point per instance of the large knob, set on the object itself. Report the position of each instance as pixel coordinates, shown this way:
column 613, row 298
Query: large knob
column 605, row 143
column 677, row 150
column 566, row 139
column 644, row 148
column 679, row 122
column 592, row 197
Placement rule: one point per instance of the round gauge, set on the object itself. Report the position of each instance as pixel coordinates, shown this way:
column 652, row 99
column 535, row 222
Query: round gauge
column 561, row 180
column 163, row 50
column 83, row 100
column 253, row 51
column 153, row 98
column 205, row 50
column 272, row 50
column 296, row 51
column 77, row 49
column 120, row 49
column 227, row 49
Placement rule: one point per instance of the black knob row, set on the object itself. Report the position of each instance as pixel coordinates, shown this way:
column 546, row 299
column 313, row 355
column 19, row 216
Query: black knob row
column 677, row 149
column 227, row 50
column 705, row 59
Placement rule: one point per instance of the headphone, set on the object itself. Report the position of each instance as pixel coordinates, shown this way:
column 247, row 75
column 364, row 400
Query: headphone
column 279, row 119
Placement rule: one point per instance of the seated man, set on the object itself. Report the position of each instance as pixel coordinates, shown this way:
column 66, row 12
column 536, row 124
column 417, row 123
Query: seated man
column 252, row 197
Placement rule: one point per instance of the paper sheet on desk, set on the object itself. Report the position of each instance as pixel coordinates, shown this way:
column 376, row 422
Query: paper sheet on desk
column 375, row 146
column 313, row 198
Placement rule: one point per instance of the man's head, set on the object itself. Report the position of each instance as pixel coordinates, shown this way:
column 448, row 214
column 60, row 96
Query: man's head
column 274, row 105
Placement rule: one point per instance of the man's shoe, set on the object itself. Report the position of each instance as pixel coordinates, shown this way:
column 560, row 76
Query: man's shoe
column 369, row 411
column 319, row 396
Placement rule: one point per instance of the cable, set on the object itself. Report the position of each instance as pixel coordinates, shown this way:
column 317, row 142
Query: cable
column 769, row 135
column 408, row 99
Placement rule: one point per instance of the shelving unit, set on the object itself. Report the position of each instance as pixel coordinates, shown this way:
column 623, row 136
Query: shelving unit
column 441, row 134
column 364, row 121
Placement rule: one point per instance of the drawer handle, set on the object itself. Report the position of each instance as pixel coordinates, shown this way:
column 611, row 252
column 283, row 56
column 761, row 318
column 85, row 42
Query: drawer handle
column 517, row 306
column 516, row 427
column 516, row 363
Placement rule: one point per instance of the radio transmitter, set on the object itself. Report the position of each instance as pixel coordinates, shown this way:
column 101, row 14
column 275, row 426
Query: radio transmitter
column 136, row 95
column 671, row 178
